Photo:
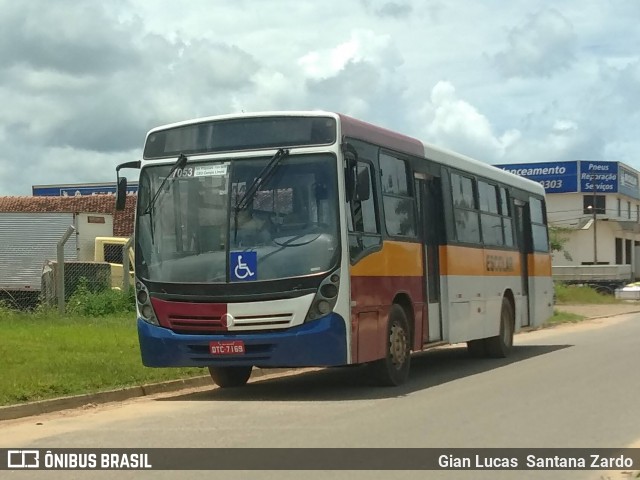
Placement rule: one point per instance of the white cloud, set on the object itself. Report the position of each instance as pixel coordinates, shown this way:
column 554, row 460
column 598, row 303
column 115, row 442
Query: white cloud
column 561, row 127
column 457, row 124
column 81, row 85
column 544, row 44
column 271, row 90
column 362, row 46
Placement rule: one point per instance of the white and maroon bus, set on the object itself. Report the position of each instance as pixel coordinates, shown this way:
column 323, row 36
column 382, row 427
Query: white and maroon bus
column 292, row 239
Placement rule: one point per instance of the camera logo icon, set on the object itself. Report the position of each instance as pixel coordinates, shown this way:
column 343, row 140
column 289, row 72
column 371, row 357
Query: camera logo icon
column 23, row 459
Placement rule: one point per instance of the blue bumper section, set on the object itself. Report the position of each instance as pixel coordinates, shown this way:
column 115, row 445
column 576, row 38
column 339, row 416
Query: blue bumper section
column 320, row 343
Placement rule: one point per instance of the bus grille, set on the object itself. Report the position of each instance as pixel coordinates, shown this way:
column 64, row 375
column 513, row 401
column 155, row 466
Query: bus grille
column 205, row 318
column 195, row 324
column 259, row 321
column 205, row 324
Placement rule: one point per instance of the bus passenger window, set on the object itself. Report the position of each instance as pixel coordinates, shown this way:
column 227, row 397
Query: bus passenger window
column 496, row 229
column 465, row 211
column 399, row 207
column 538, row 226
column 505, row 211
column 362, row 221
column 363, row 213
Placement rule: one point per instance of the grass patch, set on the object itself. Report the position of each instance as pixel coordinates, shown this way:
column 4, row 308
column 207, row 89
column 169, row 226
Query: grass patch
column 564, row 317
column 45, row 355
column 574, row 294
column 577, row 295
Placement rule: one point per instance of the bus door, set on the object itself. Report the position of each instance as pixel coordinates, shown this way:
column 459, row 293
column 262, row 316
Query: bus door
column 523, row 237
column 431, row 221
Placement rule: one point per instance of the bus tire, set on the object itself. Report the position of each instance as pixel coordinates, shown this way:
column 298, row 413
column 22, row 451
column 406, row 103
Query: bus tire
column 500, row 345
column 227, row 377
column 393, row 369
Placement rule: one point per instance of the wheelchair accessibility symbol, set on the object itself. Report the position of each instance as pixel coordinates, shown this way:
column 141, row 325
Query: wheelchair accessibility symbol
column 243, row 266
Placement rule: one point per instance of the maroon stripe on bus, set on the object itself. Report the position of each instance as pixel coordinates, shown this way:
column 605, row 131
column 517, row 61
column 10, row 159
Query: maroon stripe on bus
column 188, row 317
column 373, row 297
column 381, row 136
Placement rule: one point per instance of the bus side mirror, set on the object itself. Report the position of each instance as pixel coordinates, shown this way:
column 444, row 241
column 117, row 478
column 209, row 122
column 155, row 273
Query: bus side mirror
column 121, row 188
column 121, row 194
column 363, row 190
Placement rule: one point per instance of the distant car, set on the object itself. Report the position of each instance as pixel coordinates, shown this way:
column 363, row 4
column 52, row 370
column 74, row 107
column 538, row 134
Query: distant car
column 630, row 291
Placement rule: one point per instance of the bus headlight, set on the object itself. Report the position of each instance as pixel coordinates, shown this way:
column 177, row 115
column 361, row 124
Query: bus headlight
column 323, row 307
column 329, row 290
column 325, row 298
column 147, row 311
column 143, row 296
column 143, row 304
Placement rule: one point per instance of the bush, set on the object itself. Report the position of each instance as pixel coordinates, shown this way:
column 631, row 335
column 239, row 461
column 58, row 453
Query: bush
column 6, row 310
column 100, row 303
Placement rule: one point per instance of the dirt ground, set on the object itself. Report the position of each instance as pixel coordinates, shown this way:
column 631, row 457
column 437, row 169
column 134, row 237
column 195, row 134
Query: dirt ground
column 594, row 311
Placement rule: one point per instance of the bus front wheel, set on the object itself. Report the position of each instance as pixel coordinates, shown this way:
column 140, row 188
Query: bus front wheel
column 393, row 369
column 500, row 345
column 226, row 377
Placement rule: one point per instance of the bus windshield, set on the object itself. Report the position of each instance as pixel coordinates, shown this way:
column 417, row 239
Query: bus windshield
column 195, row 233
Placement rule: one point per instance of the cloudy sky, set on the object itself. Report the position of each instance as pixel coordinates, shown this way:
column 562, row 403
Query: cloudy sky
column 81, row 82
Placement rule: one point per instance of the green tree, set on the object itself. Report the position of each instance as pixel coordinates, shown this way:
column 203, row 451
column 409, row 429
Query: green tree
column 558, row 238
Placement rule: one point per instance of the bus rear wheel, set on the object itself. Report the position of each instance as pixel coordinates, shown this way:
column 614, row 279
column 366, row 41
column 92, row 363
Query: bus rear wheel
column 393, row 369
column 500, row 345
column 227, row 377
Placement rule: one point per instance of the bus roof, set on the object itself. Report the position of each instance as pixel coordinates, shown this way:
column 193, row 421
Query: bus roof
column 393, row 140
column 412, row 146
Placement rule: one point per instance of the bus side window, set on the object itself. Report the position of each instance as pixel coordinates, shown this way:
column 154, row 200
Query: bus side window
column 538, row 225
column 397, row 196
column 465, row 209
column 363, row 224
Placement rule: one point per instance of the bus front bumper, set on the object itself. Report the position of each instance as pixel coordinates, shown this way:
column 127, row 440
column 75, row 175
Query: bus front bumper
column 319, row 343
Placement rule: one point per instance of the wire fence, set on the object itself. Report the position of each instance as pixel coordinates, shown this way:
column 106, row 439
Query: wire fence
column 61, row 277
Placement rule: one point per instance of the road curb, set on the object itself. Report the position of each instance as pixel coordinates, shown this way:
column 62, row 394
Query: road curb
column 613, row 315
column 12, row 412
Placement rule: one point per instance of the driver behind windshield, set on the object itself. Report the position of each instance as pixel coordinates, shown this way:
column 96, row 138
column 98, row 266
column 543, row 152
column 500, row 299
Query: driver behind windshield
column 252, row 230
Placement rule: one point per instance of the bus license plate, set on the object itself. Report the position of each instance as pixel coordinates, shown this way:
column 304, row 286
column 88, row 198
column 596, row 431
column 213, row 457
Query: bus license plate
column 230, row 347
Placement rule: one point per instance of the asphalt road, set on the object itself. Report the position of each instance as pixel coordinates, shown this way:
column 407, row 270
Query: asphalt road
column 573, row 386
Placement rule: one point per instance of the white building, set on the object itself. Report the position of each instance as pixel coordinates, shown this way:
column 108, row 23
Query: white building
column 610, row 235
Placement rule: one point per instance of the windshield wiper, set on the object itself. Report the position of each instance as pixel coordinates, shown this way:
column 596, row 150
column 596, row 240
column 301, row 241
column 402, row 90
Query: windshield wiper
column 262, row 178
column 180, row 163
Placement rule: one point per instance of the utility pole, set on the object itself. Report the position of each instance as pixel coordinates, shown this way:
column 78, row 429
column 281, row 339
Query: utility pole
column 595, row 218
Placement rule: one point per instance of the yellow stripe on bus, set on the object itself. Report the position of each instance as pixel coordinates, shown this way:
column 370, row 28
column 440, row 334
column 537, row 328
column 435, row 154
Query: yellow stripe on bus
column 396, row 259
column 469, row 261
column 402, row 259
column 539, row 265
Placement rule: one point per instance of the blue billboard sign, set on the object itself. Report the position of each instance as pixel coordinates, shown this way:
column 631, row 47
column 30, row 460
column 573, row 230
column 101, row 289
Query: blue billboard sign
column 555, row 177
column 598, row 177
column 79, row 190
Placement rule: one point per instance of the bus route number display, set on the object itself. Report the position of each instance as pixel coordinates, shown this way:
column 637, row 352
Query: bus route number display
column 218, row 170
